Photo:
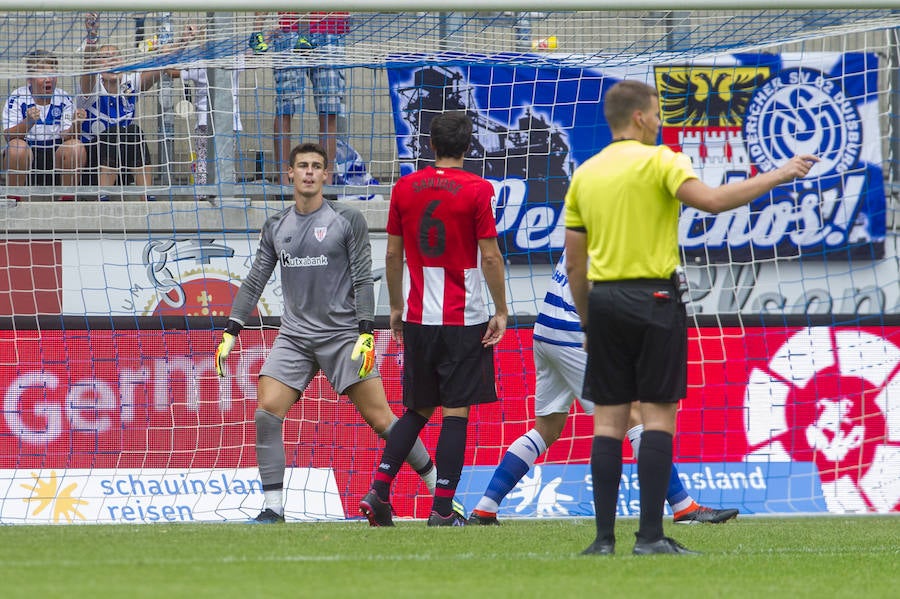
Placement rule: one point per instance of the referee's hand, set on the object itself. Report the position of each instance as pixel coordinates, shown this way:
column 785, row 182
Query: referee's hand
column 797, row 167
column 495, row 330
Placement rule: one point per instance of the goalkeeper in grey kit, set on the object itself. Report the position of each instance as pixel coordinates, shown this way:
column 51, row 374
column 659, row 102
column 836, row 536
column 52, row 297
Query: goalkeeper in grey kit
column 329, row 304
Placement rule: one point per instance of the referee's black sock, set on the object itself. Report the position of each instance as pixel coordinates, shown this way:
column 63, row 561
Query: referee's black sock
column 654, row 471
column 606, row 474
column 449, row 457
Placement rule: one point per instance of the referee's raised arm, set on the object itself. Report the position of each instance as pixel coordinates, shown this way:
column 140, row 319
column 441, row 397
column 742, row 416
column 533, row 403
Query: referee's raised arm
column 697, row 194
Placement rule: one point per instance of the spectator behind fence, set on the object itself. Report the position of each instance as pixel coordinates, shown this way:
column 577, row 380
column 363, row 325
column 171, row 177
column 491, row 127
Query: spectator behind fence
column 40, row 123
column 199, row 97
column 114, row 139
column 320, row 31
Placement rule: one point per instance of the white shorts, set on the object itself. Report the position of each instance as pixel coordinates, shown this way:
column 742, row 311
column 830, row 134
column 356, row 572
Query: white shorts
column 559, row 378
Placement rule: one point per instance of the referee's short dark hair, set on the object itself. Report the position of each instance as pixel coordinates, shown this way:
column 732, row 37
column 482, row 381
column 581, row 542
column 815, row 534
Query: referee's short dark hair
column 623, row 99
column 451, row 134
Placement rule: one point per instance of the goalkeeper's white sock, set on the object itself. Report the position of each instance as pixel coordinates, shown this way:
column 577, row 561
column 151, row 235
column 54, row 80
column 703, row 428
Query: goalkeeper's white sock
column 270, row 457
column 430, row 479
column 275, row 500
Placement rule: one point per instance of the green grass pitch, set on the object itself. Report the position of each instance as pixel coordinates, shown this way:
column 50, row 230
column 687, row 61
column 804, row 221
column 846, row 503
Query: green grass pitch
column 759, row 557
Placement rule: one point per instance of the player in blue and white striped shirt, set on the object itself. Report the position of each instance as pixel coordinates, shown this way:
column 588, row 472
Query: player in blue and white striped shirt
column 560, row 361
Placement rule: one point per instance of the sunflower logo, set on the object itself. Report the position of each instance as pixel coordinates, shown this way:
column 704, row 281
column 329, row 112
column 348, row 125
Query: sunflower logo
column 48, row 494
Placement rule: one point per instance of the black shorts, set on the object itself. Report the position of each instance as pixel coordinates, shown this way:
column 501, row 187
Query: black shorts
column 43, row 165
column 447, row 366
column 637, row 343
column 119, row 147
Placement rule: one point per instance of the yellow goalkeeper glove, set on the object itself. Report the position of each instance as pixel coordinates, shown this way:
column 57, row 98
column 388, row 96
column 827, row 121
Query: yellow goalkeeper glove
column 365, row 347
column 222, row 352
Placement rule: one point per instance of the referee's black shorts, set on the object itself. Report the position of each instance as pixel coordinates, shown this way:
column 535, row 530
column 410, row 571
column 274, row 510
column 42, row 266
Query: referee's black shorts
column 446, row 366
column 637, row 342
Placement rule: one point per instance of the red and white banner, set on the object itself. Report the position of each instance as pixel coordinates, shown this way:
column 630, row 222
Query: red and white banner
column 151, row 399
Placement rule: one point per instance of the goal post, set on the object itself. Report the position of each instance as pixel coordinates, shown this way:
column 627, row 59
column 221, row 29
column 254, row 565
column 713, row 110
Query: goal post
column 110, row 311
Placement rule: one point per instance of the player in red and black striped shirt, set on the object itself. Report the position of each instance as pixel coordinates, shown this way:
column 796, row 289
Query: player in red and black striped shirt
column 442, row 219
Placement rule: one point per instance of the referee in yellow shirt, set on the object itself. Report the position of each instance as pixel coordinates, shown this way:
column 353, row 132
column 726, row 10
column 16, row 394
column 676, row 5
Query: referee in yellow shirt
column 621, row 219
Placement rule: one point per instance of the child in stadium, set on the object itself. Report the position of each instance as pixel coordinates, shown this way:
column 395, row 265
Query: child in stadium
column 41, row 125
column 110, row 130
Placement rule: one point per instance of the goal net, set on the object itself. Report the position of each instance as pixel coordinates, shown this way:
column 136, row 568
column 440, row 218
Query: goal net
column 116, row 279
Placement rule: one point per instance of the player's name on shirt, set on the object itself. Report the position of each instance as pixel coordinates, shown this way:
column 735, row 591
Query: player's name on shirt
column 448, row 185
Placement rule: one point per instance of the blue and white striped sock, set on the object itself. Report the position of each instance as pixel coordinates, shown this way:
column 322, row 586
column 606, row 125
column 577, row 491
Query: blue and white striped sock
column 516, row 463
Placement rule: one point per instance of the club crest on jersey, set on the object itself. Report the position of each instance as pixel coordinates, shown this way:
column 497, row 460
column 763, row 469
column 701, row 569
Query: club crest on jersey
column 320, row 233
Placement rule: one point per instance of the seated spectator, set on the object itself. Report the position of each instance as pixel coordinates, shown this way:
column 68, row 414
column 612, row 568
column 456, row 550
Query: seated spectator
column 41, row 124
column 110, row 98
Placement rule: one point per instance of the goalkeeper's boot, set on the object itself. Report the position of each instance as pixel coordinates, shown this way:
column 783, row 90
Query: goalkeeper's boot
column 458, row 507
column 482, row 518
column 454, row 519
column 704, row 515
column 268, row 516
column 376, row 511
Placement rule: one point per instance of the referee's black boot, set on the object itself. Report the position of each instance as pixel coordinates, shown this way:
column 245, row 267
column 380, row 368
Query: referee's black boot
column 599, row 547
column 663, row 546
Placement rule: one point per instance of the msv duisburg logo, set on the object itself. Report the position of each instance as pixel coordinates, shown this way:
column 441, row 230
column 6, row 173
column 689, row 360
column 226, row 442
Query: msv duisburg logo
column 803, row 111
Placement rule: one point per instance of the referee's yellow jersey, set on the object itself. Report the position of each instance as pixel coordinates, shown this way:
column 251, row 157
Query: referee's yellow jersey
column 624, row 197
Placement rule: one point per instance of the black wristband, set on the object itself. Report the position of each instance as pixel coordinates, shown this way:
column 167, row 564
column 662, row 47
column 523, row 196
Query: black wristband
column 233, row 327
column 366, row 326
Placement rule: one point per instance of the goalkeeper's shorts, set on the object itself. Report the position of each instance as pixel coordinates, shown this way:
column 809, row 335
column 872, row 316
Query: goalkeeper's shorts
column 294, row 361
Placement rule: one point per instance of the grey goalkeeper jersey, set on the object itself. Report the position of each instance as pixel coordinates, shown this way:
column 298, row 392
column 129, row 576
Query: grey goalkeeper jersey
column 326, row 271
